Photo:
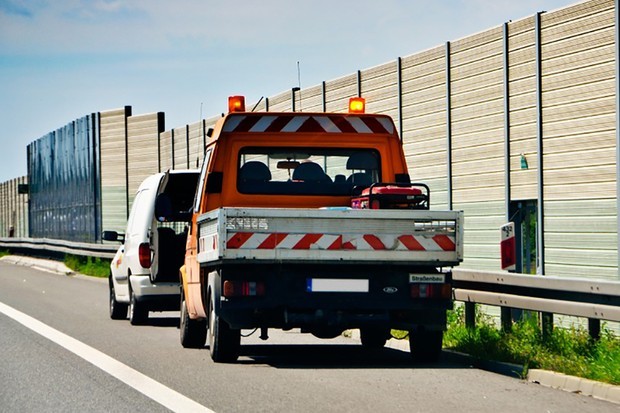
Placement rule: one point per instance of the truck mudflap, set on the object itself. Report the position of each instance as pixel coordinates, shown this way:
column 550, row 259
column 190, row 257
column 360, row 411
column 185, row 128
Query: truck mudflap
column 413, row 237
column 294, row 296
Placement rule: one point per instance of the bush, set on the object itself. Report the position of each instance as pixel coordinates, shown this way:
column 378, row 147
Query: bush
column 569, row 351
column 93, row 266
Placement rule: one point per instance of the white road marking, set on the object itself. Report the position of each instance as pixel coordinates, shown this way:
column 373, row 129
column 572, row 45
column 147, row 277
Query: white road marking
column 150, row 388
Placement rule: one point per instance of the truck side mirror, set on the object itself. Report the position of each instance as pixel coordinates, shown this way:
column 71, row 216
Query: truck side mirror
column 214, row 182
column 403, row 179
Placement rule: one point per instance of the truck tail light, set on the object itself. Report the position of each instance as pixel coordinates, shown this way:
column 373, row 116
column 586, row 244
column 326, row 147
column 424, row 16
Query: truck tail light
column 243, row 288
column 144, row 255
column 431, row 290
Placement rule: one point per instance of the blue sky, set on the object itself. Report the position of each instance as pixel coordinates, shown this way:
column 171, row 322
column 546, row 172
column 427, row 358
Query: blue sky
column 63, row 59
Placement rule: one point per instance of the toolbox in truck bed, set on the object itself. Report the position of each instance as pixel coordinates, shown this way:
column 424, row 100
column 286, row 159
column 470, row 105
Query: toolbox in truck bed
column 393, row 196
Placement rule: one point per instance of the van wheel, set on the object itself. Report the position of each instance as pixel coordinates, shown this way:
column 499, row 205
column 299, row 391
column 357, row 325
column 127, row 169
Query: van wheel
column 224, row 342
column 193, row 332
column 118, row 311
column 374, row 337
column 138, row 313
column 425, row 346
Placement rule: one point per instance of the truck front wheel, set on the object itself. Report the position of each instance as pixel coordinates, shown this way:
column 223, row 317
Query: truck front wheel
column 193, row 332
column 224, row 342
column 425, row 345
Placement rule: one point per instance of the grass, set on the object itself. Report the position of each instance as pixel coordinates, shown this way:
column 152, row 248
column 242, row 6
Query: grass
column 4, row 253
column 569, row 351
column 96, row 267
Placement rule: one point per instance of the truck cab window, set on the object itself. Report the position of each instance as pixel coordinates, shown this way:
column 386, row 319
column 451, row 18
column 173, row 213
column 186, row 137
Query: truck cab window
column 306, row 171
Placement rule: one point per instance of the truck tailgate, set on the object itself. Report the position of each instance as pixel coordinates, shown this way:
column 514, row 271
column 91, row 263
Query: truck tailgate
column 410, row 237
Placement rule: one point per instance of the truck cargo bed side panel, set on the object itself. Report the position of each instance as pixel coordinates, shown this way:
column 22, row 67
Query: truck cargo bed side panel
column 317, row 235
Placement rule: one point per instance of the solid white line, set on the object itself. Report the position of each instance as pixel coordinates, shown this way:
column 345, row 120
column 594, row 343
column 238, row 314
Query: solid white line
column 152, row 389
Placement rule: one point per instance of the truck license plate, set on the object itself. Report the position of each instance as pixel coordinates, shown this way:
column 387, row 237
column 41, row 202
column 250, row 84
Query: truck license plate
column 336, row 285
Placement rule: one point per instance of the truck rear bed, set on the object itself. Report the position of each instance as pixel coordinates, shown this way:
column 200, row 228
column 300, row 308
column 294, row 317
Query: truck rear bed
column 405, row 237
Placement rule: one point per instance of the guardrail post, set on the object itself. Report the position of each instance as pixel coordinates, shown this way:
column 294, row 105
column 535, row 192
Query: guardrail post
column 506, row 316
column 470, row 315
column 546, row 325
column 594, row 327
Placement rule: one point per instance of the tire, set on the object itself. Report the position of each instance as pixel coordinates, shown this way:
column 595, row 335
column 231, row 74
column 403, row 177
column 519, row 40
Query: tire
column 138, row 313
column 374, row 337
column 118, row 311
column 193, row 333
column 425, row 346
column 224, row 342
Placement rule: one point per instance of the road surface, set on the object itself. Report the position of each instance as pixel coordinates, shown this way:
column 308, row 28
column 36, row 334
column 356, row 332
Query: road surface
column 61, row 352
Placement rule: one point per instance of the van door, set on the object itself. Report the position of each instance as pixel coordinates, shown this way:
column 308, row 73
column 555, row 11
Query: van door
column 170, row 232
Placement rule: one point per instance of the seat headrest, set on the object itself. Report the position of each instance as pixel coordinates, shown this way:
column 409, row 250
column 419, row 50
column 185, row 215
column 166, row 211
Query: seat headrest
column 255, row 171
column 362, row 160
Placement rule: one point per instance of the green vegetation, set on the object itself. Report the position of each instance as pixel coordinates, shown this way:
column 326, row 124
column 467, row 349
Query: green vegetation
column 96, row 267
column 569, row 351
column 4, row 253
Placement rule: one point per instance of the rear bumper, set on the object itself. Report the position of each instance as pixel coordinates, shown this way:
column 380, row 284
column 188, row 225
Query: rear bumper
column 157, row 297
column 312, row 296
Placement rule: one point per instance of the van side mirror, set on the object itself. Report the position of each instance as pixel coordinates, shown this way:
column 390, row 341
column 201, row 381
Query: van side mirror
column 214, row 182
column 112, row 236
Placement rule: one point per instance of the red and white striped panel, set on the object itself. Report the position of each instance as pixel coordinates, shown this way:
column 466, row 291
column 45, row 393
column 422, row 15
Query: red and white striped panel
column 362, row 242
column 332, row 123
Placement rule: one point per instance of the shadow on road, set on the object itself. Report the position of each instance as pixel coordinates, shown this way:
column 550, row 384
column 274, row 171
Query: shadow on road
column 331, row 356
column 162, row 321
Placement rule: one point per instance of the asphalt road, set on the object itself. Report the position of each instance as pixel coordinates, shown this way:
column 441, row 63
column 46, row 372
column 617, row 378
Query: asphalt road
column 290, row 372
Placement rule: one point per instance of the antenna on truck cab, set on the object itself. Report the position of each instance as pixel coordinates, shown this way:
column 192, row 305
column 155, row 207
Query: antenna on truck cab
column 257, row 103
column 299, row 84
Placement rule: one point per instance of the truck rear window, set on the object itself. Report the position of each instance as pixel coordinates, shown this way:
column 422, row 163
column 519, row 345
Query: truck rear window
column 306, row 171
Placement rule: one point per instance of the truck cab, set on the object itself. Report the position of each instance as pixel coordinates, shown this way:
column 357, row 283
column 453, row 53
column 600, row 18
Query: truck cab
column 275, row 241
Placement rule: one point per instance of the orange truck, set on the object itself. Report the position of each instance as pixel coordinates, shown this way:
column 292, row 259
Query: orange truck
column 309, row 221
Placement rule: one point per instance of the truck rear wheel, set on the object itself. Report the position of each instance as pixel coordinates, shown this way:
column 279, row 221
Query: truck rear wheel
column 425, row 345
column 118, row 311
column 193, row 332
column 374, row 337
column 224, row 342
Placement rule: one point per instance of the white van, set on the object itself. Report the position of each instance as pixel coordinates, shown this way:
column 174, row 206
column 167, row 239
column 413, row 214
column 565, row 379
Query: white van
column 144, row 274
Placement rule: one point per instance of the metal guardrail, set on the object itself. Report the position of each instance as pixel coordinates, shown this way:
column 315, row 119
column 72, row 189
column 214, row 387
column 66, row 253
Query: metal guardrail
column 593, row 299
column 46, row 246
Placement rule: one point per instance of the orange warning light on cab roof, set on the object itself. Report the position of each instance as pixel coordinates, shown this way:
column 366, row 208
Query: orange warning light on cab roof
column 236, row 104
column 357, row 105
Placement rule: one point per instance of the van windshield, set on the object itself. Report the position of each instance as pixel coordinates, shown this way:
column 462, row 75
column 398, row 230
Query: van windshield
column 306, row 171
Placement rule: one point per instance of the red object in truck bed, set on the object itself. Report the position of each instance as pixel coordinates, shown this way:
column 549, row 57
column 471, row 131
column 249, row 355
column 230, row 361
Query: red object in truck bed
column 393, row 196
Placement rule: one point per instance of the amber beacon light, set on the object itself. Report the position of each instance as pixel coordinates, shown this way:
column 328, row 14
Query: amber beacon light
column 236, row 104
column 357, row 105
